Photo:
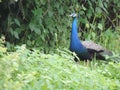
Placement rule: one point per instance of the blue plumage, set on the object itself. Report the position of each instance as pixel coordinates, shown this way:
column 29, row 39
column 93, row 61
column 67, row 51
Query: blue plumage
column 87, row 49
column 75, row 44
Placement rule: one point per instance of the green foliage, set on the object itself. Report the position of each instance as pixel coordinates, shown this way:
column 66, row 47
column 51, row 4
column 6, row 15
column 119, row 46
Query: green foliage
column 3, row 49
column 111, row 70
column 45, row 23
column 25, row 69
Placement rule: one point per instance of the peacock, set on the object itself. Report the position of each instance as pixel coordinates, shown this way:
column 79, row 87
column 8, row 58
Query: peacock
column 85, row 50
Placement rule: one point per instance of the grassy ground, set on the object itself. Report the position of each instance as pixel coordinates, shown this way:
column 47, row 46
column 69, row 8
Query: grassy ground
column 32, row 70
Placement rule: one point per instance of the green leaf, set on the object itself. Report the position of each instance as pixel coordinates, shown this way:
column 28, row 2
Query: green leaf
column 37, row 31
column 118, row 16
column 16, row 35
column 93, row 34
column 102, row 6
column 83, row 20
column 100, row 3
column 28, row 42
column 17, row 22
column 98, row 10
column 100, row 26
column 31, row 26
column 50, row 13
column 89, row 13
column 87, row 25
column 83, row 7
column 61, row 11
column 11, row 31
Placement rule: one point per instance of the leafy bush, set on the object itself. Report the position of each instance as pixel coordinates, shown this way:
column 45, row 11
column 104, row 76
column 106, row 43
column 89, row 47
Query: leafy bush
column 3, row 49
column 25, row 69
column 45, row 23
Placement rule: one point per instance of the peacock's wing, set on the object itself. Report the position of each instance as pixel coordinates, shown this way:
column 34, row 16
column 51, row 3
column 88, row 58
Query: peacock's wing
column 94, row 48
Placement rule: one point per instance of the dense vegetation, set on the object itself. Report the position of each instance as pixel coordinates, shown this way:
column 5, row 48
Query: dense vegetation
column 46, row 23
column 31, row 70
column 34, row 41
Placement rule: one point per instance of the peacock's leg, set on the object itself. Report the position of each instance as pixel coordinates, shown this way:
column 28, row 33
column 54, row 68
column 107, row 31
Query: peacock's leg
column 86, row 62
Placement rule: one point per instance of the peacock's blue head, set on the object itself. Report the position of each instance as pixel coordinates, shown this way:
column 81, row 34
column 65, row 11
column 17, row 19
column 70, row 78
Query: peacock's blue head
column 73, row 15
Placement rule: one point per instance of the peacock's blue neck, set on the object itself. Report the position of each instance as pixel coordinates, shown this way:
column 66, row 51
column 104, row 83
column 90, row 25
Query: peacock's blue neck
column 74, row 28
column 75, row 44
column 74, row 33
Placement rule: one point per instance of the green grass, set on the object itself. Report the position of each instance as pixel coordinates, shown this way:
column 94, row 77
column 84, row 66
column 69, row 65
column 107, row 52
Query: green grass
column 32, row 70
